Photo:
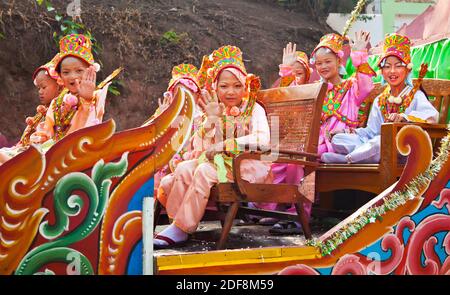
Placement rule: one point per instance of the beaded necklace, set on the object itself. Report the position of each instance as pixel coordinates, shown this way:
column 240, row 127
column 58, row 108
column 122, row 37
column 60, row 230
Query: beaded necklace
column 333, row 102
column 63, row 115
column 231, row 122
column 387, row 107
column 30, row 129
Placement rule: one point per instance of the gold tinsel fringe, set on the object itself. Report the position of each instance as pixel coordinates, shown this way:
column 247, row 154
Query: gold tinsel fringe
column 355, row 13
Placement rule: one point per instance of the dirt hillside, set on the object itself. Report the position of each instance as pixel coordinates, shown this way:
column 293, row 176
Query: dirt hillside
column 131, row 35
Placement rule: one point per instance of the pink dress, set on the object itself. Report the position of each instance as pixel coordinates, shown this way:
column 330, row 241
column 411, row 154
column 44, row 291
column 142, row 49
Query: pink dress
column 289, row 174
column 341, row 105
column 355, row 90
column 87, row 115
column 186, row 197
column 164, row 177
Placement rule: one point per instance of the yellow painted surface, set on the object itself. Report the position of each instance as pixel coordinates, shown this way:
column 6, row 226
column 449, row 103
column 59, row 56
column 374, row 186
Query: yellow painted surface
column 234, row 257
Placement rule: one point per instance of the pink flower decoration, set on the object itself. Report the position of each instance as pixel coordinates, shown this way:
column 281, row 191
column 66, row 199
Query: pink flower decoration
column 96, row 67
column 234, row 111
column 59, row 81
column 70, row 100
column 29, row 120
column 189, row 84
column 340, row 54
column 41, row 109
column 330, row 86
column 53, row 73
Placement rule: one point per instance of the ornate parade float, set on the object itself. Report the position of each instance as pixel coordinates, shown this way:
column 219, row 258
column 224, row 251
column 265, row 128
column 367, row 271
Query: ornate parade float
column 78, row 209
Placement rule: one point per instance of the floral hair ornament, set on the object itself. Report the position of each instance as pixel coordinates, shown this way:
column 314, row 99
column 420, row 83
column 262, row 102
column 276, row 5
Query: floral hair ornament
column 79, row 46
column 185, row 74
column 226, row 57
column 202, row 75
column 302, row 58
column 333, row 42
column 49, row 68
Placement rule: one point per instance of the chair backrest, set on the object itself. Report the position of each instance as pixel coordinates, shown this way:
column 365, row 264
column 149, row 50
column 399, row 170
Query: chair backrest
column 438, row 92
column 297, row 110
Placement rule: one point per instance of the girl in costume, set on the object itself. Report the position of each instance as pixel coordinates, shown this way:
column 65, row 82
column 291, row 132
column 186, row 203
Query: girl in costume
column 294, row 71
column 344, row 97
column 45, row 79
column 295, row 68
column 233, row 120
column 186, row 75
column 400, row 102
column 340, row 108
column 79, row 105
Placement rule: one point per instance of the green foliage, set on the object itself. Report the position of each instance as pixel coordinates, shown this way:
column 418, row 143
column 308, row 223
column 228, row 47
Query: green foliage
column 170, row 37
column 114, row 87
column 365, row 18
column 68, row 25
column 48, row 5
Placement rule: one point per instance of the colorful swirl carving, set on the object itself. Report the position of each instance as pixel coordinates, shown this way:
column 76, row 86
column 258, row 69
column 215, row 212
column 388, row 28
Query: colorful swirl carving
column 23, row 190
column 65, row 205
column 407, row 236
column 168, row 142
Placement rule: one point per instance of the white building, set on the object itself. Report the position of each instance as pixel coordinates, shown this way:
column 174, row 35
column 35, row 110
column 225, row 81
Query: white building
column 381, row 17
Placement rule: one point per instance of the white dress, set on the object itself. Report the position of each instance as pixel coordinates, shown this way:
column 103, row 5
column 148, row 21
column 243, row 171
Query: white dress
column 364, row 145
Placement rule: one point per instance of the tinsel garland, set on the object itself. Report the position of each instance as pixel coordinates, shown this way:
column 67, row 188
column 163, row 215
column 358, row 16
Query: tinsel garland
column 354, row 16
column 391, row 202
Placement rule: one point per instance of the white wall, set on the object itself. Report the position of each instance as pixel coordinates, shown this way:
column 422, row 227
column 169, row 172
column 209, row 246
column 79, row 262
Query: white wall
column 374, row 26
column 374, row 7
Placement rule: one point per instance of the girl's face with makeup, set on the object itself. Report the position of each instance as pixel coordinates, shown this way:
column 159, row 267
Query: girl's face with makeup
column 394, row 71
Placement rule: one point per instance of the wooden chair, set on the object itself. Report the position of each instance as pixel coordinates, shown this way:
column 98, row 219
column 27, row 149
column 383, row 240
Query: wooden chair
column 376, row 178
column 297, row 111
